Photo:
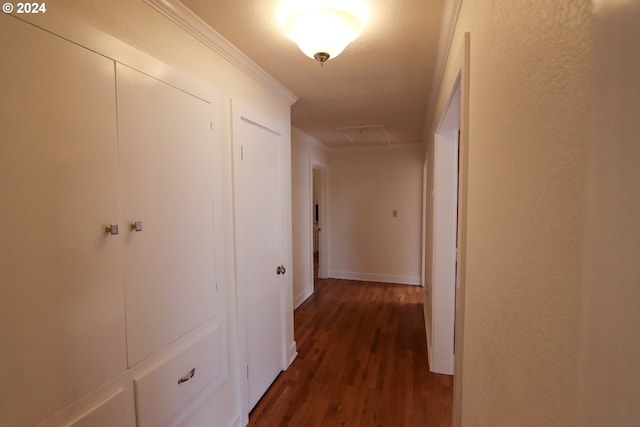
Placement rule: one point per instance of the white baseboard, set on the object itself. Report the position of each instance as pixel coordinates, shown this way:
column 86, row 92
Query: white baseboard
column 292, row 353
column 302, row 296
column 372, row 277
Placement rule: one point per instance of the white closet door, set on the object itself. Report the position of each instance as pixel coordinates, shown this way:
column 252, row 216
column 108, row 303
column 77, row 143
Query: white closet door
column 259, row 217
column 167, row 183
column 62, row 327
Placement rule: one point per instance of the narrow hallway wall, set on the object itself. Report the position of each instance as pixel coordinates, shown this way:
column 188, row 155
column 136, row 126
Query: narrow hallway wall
column 527, row 167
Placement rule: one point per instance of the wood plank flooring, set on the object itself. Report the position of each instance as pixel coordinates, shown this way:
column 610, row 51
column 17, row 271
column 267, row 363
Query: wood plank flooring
column 362, row 361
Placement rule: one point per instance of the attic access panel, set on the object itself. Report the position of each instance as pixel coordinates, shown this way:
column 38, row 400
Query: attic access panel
column 365, row 135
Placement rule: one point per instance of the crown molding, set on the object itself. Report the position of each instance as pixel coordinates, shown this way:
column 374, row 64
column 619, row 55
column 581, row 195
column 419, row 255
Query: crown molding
column 450, row 15
column 194, row 25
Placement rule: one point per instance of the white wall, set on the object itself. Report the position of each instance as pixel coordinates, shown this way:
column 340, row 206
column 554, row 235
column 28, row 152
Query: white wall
column 139, row 25
column 365, row 241
column 528, row 134
column 304, row 151
column 609, row 391
column 551, row 312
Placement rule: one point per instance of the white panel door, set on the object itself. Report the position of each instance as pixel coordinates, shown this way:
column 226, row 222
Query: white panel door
column 259, row 230
column 62, row 329
column 167, row 178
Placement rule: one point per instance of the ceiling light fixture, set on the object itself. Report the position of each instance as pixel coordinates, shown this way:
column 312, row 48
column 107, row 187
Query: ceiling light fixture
column 322, row 29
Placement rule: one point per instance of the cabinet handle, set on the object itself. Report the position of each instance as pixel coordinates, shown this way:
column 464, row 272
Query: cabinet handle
column 187, row 377
column 284, row 270
column 281, row 270
column 136, row 226
column 112, row 229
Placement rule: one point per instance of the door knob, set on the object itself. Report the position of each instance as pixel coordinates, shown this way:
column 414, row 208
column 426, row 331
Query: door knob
column 112, row 229
column 136, row 226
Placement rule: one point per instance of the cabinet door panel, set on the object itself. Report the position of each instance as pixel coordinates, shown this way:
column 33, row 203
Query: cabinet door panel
column 168, row 387
column 167, row 180
column 61, row 297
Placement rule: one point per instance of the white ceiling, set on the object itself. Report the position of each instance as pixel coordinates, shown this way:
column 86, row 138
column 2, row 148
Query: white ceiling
column 375, row 93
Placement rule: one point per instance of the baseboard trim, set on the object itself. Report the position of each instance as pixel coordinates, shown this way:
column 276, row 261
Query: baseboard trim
column 372, row 277
column 292, row 353
column 302, row 296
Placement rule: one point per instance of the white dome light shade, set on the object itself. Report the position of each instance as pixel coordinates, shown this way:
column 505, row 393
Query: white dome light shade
column 322, row 29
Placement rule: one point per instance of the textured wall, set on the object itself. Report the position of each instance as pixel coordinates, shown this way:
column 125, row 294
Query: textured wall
column 528, row 135
column 365, row 241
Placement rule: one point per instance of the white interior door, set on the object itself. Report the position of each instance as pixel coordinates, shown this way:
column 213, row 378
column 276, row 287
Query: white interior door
column 258, row 195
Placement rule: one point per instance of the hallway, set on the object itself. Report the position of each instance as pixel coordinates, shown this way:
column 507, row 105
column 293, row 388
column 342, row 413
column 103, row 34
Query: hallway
column 362, row 360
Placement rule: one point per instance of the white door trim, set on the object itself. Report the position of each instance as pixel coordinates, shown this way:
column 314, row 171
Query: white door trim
column 462, row 65
column 449, row 236
column 443, row 272
column 323, row 267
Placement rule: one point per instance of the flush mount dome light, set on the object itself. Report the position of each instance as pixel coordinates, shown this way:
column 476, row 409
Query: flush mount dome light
column 322, row 29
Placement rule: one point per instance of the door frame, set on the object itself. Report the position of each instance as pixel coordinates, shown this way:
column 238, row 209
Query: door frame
column 323, row 237
column 241, row 112
column 444, row 238
column 462, row 67
column 452, row 137
column 424, row 274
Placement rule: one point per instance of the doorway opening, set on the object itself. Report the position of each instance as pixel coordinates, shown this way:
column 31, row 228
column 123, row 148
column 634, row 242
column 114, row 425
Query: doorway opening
column 319, row 252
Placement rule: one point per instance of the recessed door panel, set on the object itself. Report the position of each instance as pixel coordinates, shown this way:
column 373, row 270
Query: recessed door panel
column 167, row 177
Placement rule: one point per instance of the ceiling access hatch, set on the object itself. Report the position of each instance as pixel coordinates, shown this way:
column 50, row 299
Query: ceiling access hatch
column 365, row 135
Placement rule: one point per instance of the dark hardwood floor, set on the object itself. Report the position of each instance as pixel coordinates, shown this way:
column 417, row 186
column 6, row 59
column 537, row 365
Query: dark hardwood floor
column 362, row 361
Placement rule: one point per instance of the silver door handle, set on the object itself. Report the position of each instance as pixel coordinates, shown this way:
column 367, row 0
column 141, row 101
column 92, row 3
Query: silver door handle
column 112, row 229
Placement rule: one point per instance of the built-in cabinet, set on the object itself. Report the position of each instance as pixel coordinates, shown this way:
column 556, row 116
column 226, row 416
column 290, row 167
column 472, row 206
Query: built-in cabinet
column 166, row 149
column 109, row 257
